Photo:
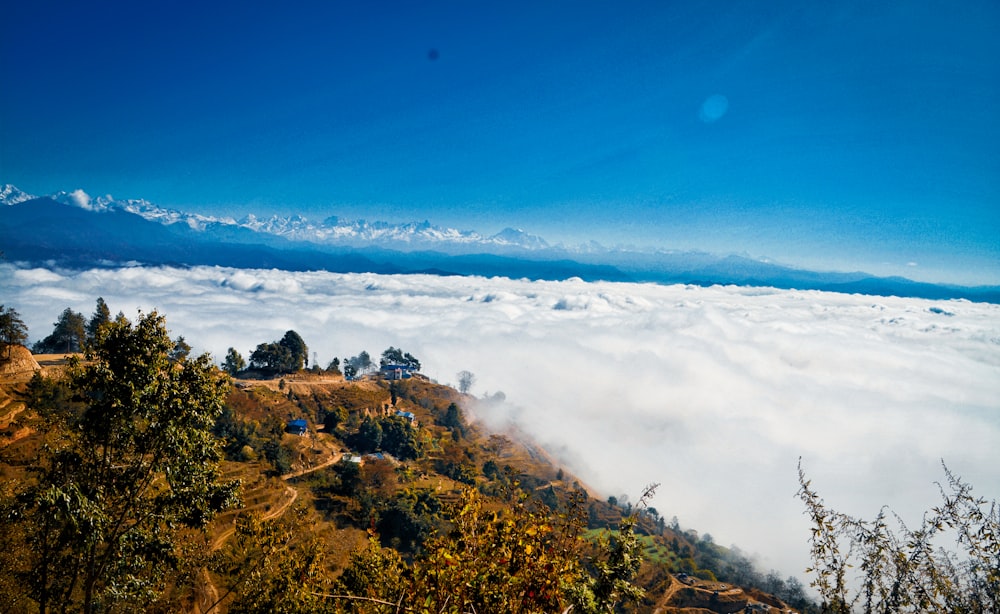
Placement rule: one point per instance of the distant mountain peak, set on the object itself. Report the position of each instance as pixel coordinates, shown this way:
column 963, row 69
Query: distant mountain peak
column 516, row 236
column 332, row 231
column 11, row 195
column 76, row 229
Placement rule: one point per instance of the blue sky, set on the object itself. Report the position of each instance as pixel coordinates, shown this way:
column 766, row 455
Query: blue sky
column 828, row 135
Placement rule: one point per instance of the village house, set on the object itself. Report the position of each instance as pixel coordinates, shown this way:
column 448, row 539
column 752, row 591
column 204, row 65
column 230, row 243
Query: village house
column 396, row 372
column 297, row 427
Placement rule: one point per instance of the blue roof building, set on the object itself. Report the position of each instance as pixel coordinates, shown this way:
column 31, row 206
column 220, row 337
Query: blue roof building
column 297, row 427
column 395, row 372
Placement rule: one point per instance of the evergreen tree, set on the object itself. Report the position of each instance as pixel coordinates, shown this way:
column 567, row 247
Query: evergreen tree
column 334, row 366
column 12, row 330
column 67, row 337
column 101, row 317
column 298, row 350
column 181, row 349
column 234, row 362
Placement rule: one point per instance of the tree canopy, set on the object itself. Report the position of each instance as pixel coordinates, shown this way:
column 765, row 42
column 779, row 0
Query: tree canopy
column 12, row 330
column 234, row 362
column 68, row 336
column 101, row 317
column 138, row 464
column 358, row 365
column 298, row 349
column 288, row 355
column 396, row 356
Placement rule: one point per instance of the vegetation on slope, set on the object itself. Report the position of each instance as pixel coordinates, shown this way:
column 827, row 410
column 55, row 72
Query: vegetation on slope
column 121, row 473
column 121, row 492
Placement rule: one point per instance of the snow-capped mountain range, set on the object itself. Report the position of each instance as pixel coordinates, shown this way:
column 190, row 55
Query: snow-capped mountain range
column 71, row 229
column 331, row 231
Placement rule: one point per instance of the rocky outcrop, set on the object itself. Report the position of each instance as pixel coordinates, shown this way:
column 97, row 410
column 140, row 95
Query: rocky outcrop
column 18, row 361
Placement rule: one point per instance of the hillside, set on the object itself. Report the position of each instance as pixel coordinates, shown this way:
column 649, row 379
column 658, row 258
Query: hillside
column 390, row 461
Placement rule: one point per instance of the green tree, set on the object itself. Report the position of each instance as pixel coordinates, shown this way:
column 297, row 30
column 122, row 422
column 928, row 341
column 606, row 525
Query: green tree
column 453, row 419
column 277, row 571
column 101, row 317
column 141, row 464
column 334, row 366
column 12, row 330
column 298, row 350
column 181, row 349
column 400, row 439
column 288, row 355
column 369, row 438
column 396, row 356
column 271, row 358
column 234, row 362
column 358, row 365
column 350, row 371
column 52, row 399
column 610, row 581
column 68, row 335
column 372, row 577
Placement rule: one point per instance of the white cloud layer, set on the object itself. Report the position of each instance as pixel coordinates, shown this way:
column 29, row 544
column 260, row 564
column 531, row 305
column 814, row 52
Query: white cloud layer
column 713, row 392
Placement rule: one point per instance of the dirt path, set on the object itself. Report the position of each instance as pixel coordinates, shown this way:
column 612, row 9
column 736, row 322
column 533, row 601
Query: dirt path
column 276, row 512
column 330, row 461
column 207, row 593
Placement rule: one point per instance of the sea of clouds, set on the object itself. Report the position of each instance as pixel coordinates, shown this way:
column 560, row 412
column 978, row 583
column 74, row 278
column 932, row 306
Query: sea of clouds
column 713, row 392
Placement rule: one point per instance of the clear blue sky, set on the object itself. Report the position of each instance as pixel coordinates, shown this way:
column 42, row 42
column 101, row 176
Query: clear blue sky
column 843, row 135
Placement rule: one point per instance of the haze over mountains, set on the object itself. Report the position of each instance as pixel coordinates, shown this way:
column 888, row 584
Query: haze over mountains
column 74, row 230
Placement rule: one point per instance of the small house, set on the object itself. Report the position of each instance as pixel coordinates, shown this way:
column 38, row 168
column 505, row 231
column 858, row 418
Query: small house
column 406, row 415
column 396, row 372
column 297, row 427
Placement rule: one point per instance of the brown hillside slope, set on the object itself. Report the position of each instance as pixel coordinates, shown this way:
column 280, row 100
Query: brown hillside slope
column 20, row 363
column 687, row 595
column 306, row 498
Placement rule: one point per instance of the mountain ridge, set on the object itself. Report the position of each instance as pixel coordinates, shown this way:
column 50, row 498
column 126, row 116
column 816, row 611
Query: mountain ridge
column 72, row 229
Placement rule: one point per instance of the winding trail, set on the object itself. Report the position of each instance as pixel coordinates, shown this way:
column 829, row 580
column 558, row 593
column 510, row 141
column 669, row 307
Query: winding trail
column 206, row 593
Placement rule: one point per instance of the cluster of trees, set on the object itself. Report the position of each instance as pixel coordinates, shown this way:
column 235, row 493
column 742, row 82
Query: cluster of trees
column 72, row 332
column 97, row 527
column 358, row 365
column 290, row 354
column 396, row 356
column 362, row 364
column 248, row 440
column 287, row 355
column 390, row 434
column 524, row 557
